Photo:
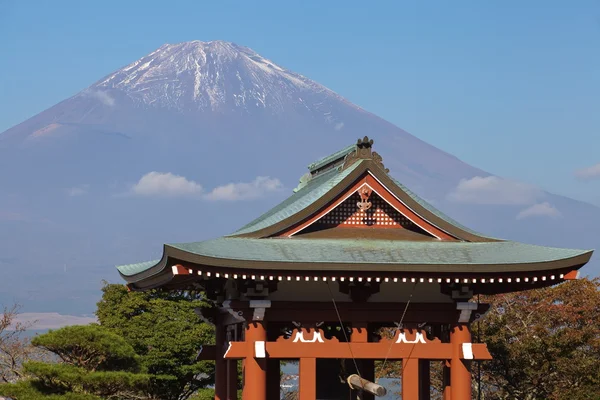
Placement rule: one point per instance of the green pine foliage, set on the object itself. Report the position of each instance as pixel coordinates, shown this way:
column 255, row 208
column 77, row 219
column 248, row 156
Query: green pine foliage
column 90, row 347
column 29, row 390
column 166, row 333
column 95, row 364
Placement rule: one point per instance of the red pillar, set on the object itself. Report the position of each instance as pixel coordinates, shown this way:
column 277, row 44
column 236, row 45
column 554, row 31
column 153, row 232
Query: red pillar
column 308, row 379
column 410, row 378
column 255, row 369
column 360, row 334
column 460, row 373
column 220, row 363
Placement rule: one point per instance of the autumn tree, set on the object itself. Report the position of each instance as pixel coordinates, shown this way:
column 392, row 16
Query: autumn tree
column 545, row 343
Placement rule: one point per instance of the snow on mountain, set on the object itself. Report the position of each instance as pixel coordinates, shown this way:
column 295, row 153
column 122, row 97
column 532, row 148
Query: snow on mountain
column 211, row 76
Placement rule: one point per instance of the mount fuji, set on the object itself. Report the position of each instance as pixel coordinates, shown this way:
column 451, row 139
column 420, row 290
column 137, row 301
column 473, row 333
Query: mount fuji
column 191, row 142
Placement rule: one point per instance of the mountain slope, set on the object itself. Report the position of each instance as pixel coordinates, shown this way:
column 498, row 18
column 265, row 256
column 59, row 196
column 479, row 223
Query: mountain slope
column 215, row 113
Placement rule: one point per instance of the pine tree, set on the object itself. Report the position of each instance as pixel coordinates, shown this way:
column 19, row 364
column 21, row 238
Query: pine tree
column 92, row 363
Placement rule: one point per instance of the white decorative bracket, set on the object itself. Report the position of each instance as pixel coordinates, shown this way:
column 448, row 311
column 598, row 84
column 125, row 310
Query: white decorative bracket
column 418, row 339
column 467, row 349
column 259, row 349
column 465, row 309
column 316, row 337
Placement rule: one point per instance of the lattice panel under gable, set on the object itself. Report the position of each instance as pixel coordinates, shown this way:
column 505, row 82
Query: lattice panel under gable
column 380, row 215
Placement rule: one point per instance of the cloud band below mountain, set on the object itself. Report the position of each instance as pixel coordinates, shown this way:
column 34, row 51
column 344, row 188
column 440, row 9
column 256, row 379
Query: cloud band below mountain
column 492, row 190
column 161, row 184
column 245, row 191
column 544, row 209
column 588, row 173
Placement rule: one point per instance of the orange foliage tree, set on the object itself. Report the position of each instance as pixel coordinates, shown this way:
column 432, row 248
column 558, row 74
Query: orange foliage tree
column 545, row 343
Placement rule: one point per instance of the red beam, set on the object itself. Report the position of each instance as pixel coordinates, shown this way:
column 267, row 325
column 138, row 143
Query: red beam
column 380, row 350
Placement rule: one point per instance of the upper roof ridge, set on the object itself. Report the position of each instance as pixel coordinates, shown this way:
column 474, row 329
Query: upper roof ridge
column 328, row 161
column 342, row 159
column 364, row 151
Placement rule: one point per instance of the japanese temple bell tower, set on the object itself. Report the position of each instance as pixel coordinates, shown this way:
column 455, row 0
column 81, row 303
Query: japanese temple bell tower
column 351, row 251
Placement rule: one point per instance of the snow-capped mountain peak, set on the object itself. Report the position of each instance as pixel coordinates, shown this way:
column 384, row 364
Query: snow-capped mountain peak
column 215, row 76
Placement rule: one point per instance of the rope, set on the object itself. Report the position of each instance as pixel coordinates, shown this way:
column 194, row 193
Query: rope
column 397, row 330
column 343, row 330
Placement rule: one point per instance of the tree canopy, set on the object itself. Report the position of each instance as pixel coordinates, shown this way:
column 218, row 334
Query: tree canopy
column 545, row 343
column 95, row 364
column 165, row 332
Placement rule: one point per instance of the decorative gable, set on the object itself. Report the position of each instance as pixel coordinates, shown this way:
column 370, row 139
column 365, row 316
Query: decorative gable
column 354, row 213
column 367, row 204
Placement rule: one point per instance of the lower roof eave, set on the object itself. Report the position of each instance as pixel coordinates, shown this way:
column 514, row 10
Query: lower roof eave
column 204, row 261
column 176, row 271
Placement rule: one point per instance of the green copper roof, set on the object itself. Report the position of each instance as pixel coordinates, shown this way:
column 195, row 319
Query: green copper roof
column 332, row 157
column 318, row 186
column 472, row 252
column 350, row 254
column 132, row 269
column 311, row 192
column 435, row 211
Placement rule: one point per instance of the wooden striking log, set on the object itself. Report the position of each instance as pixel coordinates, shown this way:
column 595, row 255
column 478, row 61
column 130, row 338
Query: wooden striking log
column 358, row 383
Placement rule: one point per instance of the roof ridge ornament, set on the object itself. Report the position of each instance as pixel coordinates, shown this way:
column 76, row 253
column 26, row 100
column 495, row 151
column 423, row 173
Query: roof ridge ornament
column 364, row 151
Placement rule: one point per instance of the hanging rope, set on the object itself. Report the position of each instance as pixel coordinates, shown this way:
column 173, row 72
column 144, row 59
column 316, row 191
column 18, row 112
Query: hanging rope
column 343, row 329
column 397, row 330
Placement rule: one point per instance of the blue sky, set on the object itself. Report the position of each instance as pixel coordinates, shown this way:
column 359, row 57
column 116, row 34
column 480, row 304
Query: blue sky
column 511, row 87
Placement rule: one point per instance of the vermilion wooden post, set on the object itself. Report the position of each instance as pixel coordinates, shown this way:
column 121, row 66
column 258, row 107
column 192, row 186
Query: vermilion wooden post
column 255, row 369
column 308, row 378
column 360, row 334
column 460, row 374
column 220, row 363
column 410, row 378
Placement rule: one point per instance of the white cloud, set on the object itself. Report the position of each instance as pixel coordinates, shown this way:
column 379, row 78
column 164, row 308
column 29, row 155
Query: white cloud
column 78, row 190
column 339, row 126
column 245, row 191
column 104, row 97
column 43, row 321
column 495, row 190
column 588, row 173
column 160, row 184
column 544, row 209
